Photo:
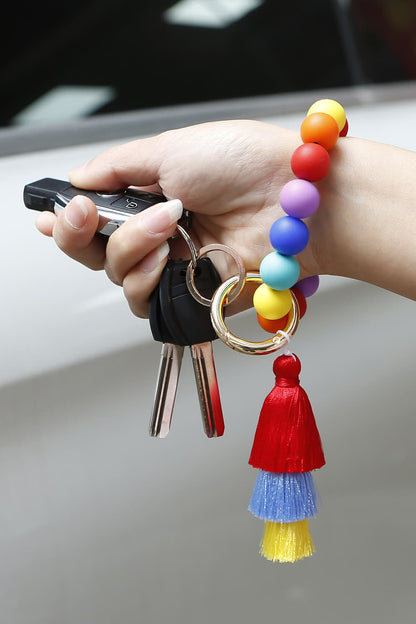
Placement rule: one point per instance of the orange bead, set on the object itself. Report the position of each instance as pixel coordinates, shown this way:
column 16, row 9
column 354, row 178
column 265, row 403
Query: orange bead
column 320, row 128
column 273, row 326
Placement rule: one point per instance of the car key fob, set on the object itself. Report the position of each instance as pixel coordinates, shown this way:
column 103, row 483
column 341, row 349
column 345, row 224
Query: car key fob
column 53, row 195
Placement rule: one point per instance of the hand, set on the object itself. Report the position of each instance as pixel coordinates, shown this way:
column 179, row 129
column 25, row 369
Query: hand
column 228, row 174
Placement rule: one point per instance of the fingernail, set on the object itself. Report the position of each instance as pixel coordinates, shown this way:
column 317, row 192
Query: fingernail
column 161, row 217
column 76, row 212
column 153, row 259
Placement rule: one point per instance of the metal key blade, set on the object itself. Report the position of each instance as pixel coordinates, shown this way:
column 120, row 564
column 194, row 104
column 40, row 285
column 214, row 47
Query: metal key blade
column 207, row 385
column 167, row 383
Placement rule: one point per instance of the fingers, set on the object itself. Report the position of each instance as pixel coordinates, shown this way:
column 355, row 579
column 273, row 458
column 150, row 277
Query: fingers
column 133, row 256
column 45, row 222
column 139, row 236
column 74, row 231
column 137, row 252
column 142, row 279
column 134, row 163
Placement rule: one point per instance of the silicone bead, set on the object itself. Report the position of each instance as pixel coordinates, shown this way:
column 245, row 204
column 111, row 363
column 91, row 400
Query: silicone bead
column 278, row 271
column 320, row 128
column 289, row 235
column 310, row 161
column 272, row 304
column 273, row 326
column 300, row 298
column 330, row 107
column 344, row 131
column 308, row 286
column 299, row 198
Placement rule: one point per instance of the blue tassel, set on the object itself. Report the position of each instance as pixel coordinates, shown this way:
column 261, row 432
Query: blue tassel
column 284, row 497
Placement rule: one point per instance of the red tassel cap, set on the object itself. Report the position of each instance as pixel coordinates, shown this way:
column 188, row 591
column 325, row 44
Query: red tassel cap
column 287, row 438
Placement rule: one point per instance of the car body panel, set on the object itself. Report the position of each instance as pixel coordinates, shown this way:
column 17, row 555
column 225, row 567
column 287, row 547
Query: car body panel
column 100, row 523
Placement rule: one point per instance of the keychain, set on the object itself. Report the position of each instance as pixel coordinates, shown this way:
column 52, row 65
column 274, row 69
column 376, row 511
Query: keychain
column 287, row 447
column 187, row 309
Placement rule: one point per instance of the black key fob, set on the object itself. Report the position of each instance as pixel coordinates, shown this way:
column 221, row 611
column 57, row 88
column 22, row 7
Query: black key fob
column 174, row 315
column 53, row 195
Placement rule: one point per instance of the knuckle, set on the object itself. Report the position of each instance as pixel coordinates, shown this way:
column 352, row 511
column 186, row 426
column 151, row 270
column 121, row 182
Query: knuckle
column 137, row 302
column 112, row 275
column 61, row 239
column 131, row 288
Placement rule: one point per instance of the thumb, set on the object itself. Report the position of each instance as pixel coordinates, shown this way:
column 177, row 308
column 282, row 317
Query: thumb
column 135, row 163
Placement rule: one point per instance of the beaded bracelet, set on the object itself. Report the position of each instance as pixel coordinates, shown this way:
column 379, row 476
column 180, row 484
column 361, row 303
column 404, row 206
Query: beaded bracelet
column 299, row 199
column 287, row 446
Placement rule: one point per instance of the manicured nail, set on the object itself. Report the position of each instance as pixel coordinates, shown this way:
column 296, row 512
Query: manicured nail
column 159, row 218
column 76, row 212
column 154, row 258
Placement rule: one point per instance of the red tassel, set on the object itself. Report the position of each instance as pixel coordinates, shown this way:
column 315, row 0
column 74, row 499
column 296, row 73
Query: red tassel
column 287, row 438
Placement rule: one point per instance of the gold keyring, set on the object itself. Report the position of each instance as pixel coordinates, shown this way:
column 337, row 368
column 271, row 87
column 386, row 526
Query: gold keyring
column 238, row 285
column 239, row 344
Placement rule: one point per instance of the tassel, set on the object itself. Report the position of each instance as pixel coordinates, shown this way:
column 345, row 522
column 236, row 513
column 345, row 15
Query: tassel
column 284, row 497
column 287, row 438
column 287, row 542
column 286, row 448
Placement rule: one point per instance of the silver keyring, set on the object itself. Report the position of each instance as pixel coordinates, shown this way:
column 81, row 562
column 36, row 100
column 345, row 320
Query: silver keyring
column 238, row 285
column 188, row 240
column 239, row 344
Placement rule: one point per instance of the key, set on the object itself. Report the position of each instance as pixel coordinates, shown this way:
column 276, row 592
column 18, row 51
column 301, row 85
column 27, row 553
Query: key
column 175, row 316
column 207, row 386
column 169, row 369
column 167, row 383
column 115, row 208
column 195, row 323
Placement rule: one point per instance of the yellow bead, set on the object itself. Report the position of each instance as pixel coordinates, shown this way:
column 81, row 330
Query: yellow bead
column 272, row 304
column 330, row 107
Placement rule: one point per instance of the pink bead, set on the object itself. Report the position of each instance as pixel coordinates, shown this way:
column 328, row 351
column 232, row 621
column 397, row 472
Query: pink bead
column 299, row 198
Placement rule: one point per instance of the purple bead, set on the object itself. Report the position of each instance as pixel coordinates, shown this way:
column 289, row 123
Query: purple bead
column 289, row 235
column 308, row 286
column 299, row 198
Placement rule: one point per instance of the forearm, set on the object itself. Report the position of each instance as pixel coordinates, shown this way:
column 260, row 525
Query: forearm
column 366, row 227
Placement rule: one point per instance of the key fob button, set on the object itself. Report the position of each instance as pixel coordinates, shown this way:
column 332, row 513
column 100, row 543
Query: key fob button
column 130, row 204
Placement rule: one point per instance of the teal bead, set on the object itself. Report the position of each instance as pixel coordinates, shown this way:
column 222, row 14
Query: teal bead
column 278, row 271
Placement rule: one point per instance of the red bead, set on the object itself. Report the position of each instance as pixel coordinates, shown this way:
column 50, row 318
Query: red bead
column 273, row 326
column 300, row 298
column 344, row 131
column 310, row 161
column 320, row 128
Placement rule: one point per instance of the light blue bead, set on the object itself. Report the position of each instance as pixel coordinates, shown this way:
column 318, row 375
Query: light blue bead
column 278, row 271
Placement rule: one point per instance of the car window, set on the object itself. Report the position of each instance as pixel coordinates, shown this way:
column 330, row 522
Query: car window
column 66, row 61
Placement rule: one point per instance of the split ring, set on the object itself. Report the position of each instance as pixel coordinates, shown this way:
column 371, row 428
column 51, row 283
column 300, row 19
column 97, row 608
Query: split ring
column 188, row 240
column 238, row 281
column 239, row 344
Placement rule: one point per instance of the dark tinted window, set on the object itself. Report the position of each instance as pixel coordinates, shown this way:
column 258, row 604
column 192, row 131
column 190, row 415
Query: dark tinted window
column 142, row 53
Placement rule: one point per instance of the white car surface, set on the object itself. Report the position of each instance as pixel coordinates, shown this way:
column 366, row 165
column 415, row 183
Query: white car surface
column 101, row 524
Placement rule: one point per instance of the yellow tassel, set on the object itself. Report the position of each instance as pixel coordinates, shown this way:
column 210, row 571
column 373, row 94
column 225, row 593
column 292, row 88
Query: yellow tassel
column 287, row 541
